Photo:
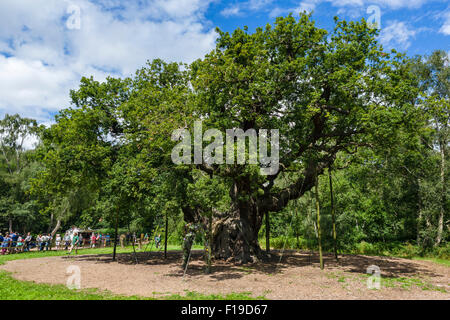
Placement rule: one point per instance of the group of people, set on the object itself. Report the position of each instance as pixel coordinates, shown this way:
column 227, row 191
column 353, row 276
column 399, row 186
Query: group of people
column 73, row 239
column 98, row 240
column 14, row 242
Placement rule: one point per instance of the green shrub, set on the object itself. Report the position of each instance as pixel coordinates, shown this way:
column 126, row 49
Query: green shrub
column 443, row 252
column 365, row 248
column 286, row 243
column 408, row 251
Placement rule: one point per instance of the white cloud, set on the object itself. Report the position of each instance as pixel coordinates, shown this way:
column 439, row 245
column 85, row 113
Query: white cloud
column 30, row 88
column 397, row 34
column 246, row 6
column 258, row 4
column 393, row 4
column 352, row 8
column 306, row 5
column 352, row 12
column 445, row 29
column 234, row 10
column 41, row 59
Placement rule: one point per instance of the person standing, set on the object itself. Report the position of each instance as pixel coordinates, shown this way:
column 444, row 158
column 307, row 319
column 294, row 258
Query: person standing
column 157, row 240
column 189, row 236
column 14, row 237
column 43, row 242
column 38, row 242
column 93, row 240
column 99, row 240
column 5, row 243
column 19, row 246
column 122, row 240
column 57, row 241
column 75, row 242
column 27, row 242
column 48, row 244
column 66, row 241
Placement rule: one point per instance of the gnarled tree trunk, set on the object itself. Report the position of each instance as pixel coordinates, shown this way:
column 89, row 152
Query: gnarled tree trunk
column 235, row 238
column 444, row 191
column 235, row 233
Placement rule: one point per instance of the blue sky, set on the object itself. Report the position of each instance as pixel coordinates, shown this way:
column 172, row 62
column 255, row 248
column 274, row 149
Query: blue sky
column 420, row 24
column 46, row 46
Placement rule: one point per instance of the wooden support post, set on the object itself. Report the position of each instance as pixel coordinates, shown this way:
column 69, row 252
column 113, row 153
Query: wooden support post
column 165, row 236
column 333, row 214
column 267, row 232
column 319, row 235
column 116, row 235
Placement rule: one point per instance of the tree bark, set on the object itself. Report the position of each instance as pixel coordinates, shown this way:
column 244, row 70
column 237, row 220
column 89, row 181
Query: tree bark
column 443, row 199
column 51, row 223
column 267, row 232
column 333, row 214
column 235, row 237
column 235, row 233
column 209, row 248
column 58, row 225
column 419, row 212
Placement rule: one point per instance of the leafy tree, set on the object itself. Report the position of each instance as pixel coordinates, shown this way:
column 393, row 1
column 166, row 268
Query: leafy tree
column 333, row 97
column 15, row 204
column 434, row 72
column 325, row 93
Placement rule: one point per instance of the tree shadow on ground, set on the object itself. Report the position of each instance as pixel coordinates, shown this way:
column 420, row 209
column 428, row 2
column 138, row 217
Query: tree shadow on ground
column 277, row 263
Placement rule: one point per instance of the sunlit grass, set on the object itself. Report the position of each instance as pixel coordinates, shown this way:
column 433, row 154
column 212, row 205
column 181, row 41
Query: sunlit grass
column 435, row 260
column 12, row 289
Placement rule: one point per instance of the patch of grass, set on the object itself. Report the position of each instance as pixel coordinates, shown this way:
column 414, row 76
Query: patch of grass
column 406, row 283
column 397, row 249
column 12, row 289
column 54, row 253
column 331, row 275
column 435, row 260
column 246, row 270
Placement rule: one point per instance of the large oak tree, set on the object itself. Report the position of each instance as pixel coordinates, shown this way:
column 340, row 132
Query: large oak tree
column 326, row 93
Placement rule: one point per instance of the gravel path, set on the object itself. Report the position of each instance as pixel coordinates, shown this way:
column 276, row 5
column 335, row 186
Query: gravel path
column 298, row 276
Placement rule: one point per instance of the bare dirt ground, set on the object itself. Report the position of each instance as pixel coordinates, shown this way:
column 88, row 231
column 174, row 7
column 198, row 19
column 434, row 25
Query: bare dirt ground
column 298, row 276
